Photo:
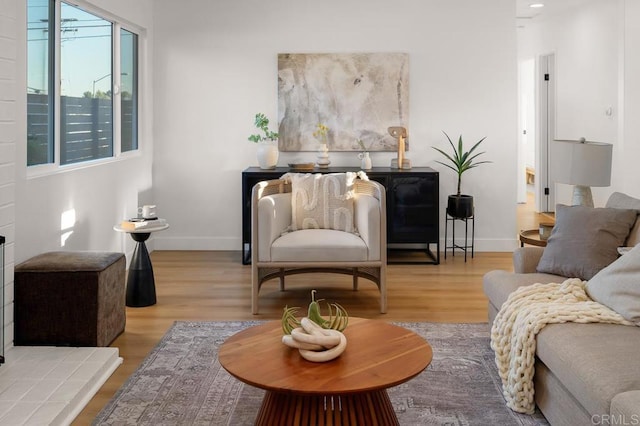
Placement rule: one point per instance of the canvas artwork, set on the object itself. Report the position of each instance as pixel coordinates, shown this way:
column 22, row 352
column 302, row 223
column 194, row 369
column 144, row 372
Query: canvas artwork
column 358, row 96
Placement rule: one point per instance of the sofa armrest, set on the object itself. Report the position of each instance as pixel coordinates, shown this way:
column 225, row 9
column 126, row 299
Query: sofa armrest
column 273, row 218
column 626, row 405
column 367, row 221
column 526, row 259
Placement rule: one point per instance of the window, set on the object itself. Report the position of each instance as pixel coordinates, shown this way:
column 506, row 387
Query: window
column 128, row 90
column 82, row 86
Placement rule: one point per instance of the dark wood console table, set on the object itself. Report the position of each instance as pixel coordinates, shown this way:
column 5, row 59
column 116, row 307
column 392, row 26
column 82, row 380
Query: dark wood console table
column 413, row 226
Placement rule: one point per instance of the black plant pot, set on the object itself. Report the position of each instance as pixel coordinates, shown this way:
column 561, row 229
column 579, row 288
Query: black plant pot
column 460, row 206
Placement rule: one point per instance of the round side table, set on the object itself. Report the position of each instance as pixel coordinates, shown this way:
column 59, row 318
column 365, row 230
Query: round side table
column 531, row 237
column 348, row 390
column 141, row 286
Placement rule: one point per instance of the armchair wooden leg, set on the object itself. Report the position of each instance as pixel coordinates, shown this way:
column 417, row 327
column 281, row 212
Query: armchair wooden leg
column 355, row 279
column 255, row 288
column 383, row 291
column 281, row 279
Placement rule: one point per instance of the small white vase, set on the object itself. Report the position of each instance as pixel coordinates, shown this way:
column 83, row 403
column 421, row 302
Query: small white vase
column 323, row 157
column 267, row 155
column 365, row 161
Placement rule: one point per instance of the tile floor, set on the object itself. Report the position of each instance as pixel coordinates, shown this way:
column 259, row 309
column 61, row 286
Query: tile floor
column 50, row 385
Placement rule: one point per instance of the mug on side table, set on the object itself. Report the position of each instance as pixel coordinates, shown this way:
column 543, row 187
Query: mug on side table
column 147, row 211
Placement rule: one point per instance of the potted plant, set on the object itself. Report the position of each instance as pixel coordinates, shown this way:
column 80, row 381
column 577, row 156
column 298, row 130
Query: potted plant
column 267, row 152
column 460, row 205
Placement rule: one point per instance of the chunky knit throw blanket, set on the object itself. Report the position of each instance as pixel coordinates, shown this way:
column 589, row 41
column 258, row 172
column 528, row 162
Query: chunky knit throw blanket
column 522, row 316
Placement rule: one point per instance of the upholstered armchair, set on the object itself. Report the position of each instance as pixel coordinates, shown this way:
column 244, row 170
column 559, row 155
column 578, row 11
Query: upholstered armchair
column 318, row 223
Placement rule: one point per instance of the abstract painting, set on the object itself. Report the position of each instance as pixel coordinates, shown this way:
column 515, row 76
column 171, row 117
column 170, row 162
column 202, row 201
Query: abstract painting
column 358, row 96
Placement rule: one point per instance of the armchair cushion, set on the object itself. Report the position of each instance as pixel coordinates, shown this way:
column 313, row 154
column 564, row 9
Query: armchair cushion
column 321, row 245
column 585, row 240
column 322, row 201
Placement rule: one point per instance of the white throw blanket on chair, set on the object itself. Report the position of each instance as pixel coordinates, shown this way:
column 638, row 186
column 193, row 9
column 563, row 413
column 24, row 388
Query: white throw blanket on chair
column 522, row 316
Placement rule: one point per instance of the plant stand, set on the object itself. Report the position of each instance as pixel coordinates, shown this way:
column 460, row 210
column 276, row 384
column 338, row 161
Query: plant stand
column 453, row 245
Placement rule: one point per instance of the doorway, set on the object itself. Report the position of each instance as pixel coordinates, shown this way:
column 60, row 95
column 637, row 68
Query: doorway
column 536, row 129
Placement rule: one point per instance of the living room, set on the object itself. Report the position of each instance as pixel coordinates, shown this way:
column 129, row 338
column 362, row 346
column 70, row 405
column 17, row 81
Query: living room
column 206, row 68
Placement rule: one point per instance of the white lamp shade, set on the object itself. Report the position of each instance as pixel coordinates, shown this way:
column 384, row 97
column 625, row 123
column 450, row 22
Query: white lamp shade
column 581, row 162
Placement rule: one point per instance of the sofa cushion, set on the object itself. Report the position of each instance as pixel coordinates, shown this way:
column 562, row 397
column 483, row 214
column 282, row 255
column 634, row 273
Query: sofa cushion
column 618, row 286
column 498, row 285
column 322, row 201
column 319, row 245
column 618, row 200
column 584, row 240
column 593, row 361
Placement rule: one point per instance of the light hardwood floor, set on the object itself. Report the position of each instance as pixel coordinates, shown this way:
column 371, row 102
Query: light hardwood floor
column 215, row 286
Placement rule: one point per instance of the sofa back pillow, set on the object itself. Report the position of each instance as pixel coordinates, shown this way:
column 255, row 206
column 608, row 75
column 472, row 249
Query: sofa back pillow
column 618, row 200
column 618, row 286
column 584, row 240
column 322, row 201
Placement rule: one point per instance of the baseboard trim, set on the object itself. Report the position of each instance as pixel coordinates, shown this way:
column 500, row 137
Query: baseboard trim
column 234, row 244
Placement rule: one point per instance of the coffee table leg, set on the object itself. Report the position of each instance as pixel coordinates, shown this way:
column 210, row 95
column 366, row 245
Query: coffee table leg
column 367, row 408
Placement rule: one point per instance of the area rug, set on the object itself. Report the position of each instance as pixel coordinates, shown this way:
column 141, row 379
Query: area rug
column 181, row 382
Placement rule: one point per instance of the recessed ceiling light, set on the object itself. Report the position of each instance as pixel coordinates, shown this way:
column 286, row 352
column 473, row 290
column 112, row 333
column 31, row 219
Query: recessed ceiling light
column 536, row 5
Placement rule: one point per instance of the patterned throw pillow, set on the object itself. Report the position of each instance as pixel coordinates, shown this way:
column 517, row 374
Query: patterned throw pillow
column 322, row 201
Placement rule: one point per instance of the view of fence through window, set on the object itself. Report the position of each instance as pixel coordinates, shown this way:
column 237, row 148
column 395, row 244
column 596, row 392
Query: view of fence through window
column 39, row 99
column 86, row 113
column 129, row 90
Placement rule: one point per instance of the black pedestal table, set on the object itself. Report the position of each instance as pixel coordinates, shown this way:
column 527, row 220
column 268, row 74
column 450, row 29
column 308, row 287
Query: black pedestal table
column 141, row 287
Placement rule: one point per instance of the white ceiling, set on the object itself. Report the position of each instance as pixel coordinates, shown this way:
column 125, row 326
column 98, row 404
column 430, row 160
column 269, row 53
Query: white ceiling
column 525, row 14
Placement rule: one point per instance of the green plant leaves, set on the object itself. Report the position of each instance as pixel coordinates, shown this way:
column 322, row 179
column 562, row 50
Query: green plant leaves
column 262, row 122
column 461, row 161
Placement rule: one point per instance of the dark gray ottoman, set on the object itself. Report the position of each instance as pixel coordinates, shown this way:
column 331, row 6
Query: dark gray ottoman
column 70, row 299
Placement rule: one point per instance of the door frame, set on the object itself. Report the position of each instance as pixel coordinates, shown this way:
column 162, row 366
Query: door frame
column 546, row 120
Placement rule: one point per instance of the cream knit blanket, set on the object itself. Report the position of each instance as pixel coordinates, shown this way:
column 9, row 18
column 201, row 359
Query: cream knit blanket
column 522, row 316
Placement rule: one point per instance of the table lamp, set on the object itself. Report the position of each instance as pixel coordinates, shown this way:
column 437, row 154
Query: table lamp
column 583, row 164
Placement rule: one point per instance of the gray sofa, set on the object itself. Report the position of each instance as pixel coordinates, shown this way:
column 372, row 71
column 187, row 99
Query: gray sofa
column 585, row 374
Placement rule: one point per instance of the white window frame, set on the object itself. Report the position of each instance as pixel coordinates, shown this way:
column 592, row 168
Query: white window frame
column 118, row 23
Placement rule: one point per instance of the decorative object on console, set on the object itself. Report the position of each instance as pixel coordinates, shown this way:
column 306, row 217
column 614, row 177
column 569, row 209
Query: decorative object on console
column 400, row 133
column 267, row 150
column 355, row 94
column 321, row 133
column 460, row 205
column 583, row 164
column 302, row 167
column 365, row 159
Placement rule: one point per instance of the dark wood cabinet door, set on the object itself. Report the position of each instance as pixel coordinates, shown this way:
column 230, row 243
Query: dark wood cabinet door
column 412, row 204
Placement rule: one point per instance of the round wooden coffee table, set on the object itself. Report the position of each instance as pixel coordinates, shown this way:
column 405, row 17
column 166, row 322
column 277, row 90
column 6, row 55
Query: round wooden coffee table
column 348, row 390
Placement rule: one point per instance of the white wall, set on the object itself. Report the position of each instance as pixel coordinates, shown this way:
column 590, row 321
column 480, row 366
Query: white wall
column 627, row 176
column 215, row 67
column 101, row 194
column 589, row 48
column 8, row 136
